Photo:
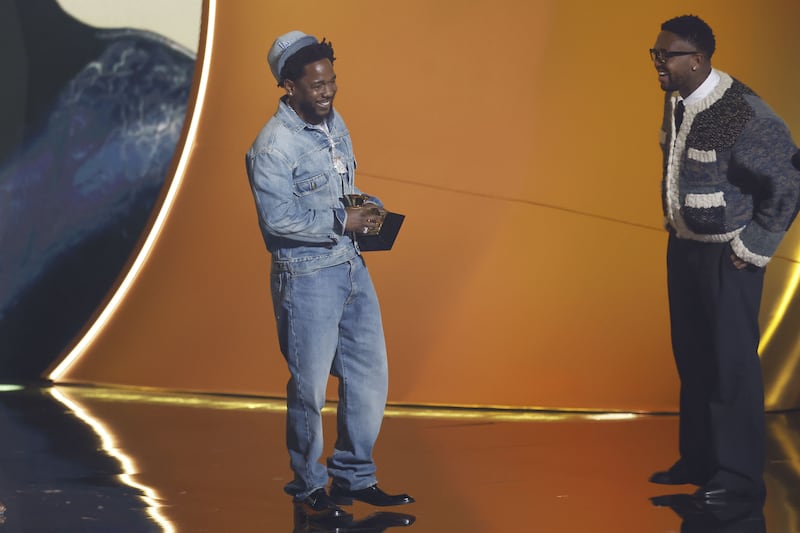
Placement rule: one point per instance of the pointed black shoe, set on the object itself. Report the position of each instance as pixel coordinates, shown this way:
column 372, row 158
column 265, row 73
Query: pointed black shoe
column 727, row 486
column 371, row 495
column 704, row 516
column 678, row 474
column 319, row 505
column 715, row 492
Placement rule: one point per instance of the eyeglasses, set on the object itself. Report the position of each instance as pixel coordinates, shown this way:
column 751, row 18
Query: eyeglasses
column 661, row 55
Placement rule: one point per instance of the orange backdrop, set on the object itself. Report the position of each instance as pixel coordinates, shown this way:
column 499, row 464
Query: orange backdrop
column 519, row 138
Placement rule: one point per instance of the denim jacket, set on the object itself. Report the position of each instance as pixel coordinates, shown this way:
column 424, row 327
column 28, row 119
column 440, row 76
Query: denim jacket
column 298, row 191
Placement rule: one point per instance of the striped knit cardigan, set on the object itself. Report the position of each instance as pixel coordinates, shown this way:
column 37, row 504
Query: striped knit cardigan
column 727, row 172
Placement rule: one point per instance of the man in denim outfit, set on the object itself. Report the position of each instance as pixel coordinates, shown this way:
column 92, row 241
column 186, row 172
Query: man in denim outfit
column 729, row 195
column 301, row 167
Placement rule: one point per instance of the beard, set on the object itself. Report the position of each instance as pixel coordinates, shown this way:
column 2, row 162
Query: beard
column 312, row 114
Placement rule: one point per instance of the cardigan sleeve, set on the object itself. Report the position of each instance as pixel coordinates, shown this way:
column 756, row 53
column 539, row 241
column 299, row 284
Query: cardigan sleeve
column 764, row 151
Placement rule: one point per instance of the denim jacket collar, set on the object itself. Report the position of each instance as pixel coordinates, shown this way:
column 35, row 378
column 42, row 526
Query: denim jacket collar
column 293, row 122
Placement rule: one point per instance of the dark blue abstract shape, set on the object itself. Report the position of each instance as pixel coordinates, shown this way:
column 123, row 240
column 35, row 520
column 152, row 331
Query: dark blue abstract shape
column 76, row 197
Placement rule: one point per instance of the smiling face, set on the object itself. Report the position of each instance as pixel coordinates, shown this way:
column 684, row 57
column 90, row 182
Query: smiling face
column 682, row 73
column 312, row 95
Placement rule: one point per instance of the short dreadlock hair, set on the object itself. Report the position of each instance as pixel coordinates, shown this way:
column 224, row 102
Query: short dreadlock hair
column 295, row 65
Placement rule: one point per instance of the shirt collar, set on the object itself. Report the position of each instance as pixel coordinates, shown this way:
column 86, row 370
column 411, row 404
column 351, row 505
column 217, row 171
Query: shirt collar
column 711, row 81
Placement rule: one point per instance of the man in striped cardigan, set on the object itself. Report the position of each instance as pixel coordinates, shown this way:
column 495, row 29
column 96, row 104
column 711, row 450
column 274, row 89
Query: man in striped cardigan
column 729, row 193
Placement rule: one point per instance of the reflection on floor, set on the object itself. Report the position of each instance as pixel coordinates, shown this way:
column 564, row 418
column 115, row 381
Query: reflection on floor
column 76, row 459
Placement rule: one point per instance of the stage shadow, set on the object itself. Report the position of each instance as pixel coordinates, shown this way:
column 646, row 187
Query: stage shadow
column 374, row 523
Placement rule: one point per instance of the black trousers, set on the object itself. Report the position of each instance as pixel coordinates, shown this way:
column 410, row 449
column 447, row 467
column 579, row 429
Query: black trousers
column 715, row 334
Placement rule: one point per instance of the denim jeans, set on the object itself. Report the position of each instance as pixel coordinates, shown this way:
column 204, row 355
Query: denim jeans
column 329, row 322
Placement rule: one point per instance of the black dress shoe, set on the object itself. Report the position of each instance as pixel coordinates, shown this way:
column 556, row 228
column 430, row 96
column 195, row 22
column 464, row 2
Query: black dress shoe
column 718, row 516
column 319, row 505
column 715, row 492
column 371, row 495
column 678, row 474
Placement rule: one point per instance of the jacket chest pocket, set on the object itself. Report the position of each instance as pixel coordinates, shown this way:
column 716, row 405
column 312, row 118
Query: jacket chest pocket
column 317, row 192
column 312, row 185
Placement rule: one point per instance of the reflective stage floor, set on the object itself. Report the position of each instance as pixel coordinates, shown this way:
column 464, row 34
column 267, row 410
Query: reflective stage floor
column 76, row 459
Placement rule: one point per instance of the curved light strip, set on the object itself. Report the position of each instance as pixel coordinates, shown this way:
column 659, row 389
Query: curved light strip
column 787, row 374
column 784, row 300
column 109, row 445
column 158, row 225
column 234, row 403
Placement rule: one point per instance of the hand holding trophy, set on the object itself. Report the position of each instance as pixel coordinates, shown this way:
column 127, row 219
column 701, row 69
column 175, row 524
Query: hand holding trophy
column 375, row 228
